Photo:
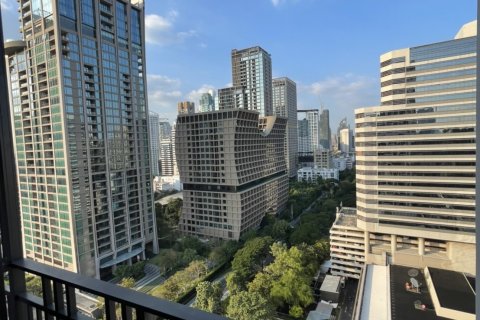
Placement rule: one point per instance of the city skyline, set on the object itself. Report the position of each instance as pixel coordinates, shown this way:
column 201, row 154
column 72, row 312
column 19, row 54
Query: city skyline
column 176, row 32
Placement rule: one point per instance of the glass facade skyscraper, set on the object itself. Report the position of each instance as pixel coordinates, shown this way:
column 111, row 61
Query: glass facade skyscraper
column 80, row 117
column 206, row 102
column 324, row 129
column 154, row 125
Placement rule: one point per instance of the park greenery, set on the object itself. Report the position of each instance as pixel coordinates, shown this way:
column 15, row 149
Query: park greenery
column 271, row 268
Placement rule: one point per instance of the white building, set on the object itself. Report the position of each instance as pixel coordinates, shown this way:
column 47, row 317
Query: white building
column 312, row 174
column 343, row 162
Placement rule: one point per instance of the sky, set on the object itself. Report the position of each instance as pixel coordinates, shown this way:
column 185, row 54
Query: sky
column 330, row 48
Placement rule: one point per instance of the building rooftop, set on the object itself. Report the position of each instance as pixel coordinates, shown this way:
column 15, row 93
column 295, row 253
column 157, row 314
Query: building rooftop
column 403, row 301
column 347, row 217
column 330, row 284
column 454, row 290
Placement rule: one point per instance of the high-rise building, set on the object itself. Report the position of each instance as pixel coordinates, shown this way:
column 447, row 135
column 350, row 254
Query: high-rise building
column 285, row 105
column 80, row 121
column 233, row 170
column 232, row 98
column 342, row 125
column 308, row 131
column 154, row 125
column 166, row 157
column 207, row 102
column 252, row 71
column 345, row 140
column 416, row 157
column 324, row 132
column 165, row 129
column 186, row 107
column 323, row 158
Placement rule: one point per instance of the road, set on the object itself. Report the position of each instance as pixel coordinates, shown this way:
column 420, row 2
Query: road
column 295, row 221
column 165, row 200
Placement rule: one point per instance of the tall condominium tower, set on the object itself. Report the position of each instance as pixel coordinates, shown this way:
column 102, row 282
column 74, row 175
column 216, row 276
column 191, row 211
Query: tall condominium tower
column 285, row 105
column 206, row 102
column 252, row 70
column 416, row 157
column 154, row 125
column 232, row 166
column 345, row 140
column 324, row 133
column 77, row 90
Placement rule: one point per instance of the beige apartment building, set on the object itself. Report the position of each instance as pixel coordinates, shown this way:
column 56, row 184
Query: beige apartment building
column 233, row 170
column 347, row 245
column 416, row 158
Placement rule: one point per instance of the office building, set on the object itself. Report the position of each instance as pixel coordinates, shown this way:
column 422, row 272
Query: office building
column 207, row 102
column 324, row 132
column 233, row 170
column 342, row 125
column 81, row 134
column 285, row 105
column 154, row 126
column 166, row 157
column 252, row 71
column 416, row 158
column 186, row 107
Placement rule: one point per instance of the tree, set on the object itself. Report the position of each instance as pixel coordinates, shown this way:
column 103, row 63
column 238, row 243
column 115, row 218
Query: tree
column 249, row 306
column 166, row 260
column 250, row 259
column 209, row 297
column 286, row 281
column 135, row 271
column 34, row 284
column 127, row 282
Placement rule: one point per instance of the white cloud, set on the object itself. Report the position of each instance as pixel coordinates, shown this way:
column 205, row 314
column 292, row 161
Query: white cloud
column 278, row 3
column 163, row 95
column 6, row 4
column 160, row 30
column 341, row 94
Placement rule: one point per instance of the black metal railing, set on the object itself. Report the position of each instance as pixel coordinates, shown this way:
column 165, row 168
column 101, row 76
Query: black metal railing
column 58, row 301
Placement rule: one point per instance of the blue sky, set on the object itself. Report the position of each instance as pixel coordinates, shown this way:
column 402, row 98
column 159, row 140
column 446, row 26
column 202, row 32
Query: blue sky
column 330, row 48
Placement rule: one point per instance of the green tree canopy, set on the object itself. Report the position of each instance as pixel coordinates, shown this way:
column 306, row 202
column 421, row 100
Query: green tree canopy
column 209, row 297
column 249, row 306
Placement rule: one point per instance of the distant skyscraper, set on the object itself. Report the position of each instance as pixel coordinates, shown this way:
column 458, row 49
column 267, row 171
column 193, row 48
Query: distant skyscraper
column 416, row 157
column 81, row 129
column 285, row 105
column 324, row 131
column 342, row 125
column 308, row 132
column 154, row 125
column 207, row 103
column 252, row 70
column 165, row 130
column 186, row 107
column 345, row 140
column 233, row 171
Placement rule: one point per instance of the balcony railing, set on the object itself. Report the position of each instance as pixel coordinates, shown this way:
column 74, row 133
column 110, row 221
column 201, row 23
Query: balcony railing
column 59, row 299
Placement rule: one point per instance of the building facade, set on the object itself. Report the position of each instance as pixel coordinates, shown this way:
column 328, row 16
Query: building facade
column 233, row 171
column 77, row 90
column 312, row 174
column 285, row 105
column 324, row 133
column 323, row 158
column 346, row 140
column 252, row 71
column 232, row 98
column 308, row 131
column 154, row 127
column 207, row 102
column 347, row 245
column 416, row 157
column 186, row 107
